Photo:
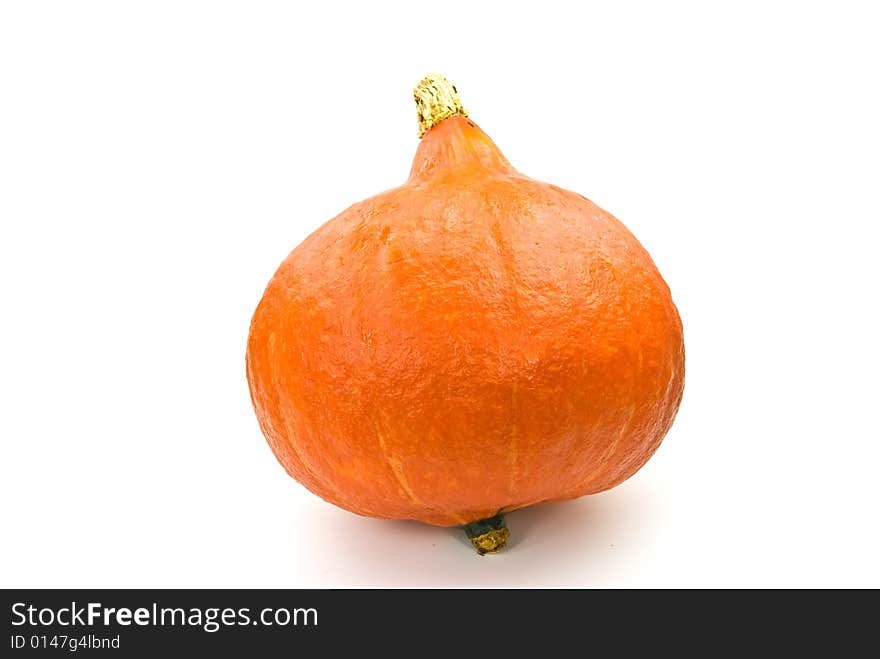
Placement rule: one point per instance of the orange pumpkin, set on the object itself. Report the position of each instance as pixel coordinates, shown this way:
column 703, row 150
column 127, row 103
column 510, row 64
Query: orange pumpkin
column 469, row 343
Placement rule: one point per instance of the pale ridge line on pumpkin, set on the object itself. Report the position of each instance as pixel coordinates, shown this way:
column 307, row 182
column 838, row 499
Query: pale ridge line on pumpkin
column 625, row 427
column 512, row 280
column 290, row 435
column 623, row 430
column 605, row 456
column 400, row 475
column 311, row 470
column 513, row 449
column 514, row 457
column 397, row 470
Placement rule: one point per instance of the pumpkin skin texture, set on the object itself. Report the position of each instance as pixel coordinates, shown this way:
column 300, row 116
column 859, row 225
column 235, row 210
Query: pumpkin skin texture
column 470, row 342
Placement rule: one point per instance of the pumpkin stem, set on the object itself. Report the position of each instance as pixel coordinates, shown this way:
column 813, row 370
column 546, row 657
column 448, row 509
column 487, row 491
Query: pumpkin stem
column 488, row 535
column 436, row 99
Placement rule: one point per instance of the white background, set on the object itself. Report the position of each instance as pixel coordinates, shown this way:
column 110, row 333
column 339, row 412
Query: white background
column 158, row 160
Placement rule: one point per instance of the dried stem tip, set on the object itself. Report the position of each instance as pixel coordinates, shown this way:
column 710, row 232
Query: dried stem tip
column 436, row 99
column 488, row 535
